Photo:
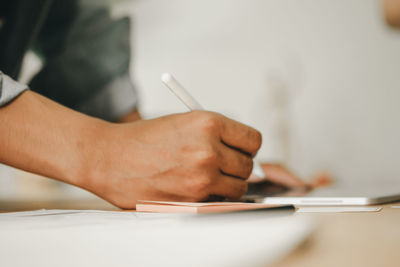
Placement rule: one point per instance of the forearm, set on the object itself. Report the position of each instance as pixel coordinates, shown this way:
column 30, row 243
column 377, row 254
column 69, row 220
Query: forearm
column 181, row 157
column 43, row 137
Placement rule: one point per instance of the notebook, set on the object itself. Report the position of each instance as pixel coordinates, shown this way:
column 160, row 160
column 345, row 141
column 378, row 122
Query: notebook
column 204, row 207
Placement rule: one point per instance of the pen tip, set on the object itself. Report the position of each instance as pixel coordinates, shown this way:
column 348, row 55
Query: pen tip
column 166, row 77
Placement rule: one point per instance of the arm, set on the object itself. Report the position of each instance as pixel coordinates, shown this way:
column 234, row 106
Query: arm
column 183, row 157
column 35, row 139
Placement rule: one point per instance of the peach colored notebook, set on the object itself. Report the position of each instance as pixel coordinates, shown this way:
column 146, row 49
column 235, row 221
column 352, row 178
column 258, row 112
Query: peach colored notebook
column 195, row 207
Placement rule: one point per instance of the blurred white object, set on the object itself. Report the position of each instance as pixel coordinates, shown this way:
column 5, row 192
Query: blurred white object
column 97, row 238
column 347, row 71
column 337, row 209
column 180, row 92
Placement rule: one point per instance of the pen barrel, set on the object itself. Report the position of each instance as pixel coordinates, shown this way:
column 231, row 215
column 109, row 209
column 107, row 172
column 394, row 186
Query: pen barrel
column 180, row 92
column 192, row 104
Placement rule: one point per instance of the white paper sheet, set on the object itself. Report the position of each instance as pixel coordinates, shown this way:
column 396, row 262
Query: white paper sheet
column 337, row 209
column 100, row 238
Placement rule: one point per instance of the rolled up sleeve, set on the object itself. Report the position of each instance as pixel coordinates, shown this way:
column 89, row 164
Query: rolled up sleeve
column 9, row 89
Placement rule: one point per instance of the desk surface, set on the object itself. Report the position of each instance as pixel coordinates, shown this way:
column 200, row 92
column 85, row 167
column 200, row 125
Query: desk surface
column 351, row 239
column 341, row 239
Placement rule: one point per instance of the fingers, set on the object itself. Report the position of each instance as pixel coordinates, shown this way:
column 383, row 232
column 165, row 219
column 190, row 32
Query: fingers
column 240, row 136
column 229, row 187
column 281, row 176
column 215, row 156
column 234, row 163
column 232, row 133
column 322, row 179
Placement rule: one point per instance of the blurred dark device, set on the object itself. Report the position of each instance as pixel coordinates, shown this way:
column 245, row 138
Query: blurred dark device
column 360, row 195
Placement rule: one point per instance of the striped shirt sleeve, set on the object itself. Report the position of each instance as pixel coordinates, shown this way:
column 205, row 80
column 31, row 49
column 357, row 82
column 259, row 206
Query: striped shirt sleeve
column 9, row 89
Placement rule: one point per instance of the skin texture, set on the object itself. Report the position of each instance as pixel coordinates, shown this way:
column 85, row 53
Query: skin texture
column 43, row 137
column 182, row 157
column 186, row 157
column 277, row 174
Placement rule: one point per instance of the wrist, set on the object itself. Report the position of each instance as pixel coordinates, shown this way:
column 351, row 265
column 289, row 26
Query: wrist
column 91, row 154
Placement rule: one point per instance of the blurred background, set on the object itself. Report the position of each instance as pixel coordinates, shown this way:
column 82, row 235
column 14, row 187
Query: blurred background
column 319, row 79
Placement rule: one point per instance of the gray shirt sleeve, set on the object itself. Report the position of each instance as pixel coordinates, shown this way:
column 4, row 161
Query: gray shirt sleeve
column 112, row 101
column 9, row 89
column 86, row 62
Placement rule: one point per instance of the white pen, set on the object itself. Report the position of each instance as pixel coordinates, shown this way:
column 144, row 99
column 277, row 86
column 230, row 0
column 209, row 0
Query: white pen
column 192, row 104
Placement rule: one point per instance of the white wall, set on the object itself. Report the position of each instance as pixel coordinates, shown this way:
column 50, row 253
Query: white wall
column 337, row 62
column 334, row 65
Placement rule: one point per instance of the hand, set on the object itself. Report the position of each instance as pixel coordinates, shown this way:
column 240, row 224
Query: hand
column 281, row 176
column 187, row 156
column 183, row 157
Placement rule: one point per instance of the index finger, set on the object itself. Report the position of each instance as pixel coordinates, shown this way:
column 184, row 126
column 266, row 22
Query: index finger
column 240, row 136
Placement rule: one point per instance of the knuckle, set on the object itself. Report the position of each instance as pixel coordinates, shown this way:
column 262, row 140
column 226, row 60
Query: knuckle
column 245, row 166
column 256, row 136
column 248, row 167
column 209, row 122
column 206, row 157
column 200, row 187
